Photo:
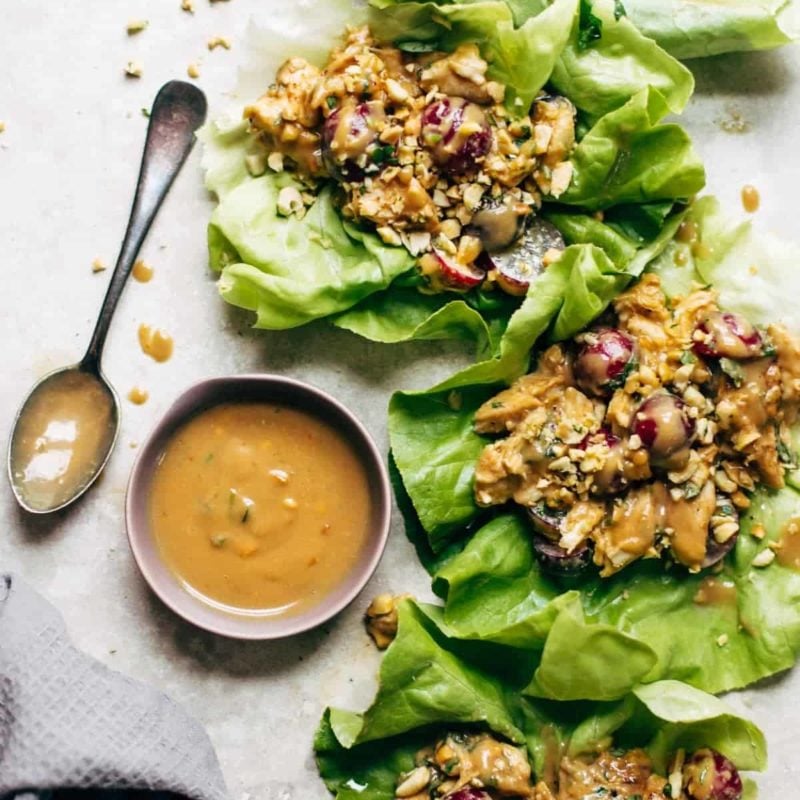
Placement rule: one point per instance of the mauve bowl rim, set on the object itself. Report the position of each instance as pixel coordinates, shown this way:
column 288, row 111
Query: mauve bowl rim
column 195, row 398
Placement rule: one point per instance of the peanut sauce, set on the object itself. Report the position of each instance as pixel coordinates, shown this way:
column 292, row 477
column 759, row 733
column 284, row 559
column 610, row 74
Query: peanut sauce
column 138, row 396
column 715, row 592
column 142, row 272
column 260, row 507
column 63, row 435
column 788, row 550
column 751, row 200
column 155, row 343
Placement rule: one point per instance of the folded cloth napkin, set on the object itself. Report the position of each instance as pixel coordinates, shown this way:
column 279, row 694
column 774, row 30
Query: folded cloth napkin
column 68, row 722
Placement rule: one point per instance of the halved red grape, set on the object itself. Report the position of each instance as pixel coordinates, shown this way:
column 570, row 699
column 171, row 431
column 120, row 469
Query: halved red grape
column 516, row 266
column 457, row 133
column 546, row 521
column 604, row 358
column 729, row 335
column 459, row 276
column 350, row 140
column 664, row 426
column 499, row 222
column 709, row 775
column 716, row 551
column 555, row 560
column 469, row 793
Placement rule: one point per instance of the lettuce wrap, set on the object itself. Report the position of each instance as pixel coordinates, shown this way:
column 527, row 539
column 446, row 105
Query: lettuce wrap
column 431, row 682
column 627, row 163
column 485, row 570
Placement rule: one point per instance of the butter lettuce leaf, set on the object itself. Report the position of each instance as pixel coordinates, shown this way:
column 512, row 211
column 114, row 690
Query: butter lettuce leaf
column 627, row 157
column 495, row 591
column 622, row 62
column 693, row 28
column 429, row 684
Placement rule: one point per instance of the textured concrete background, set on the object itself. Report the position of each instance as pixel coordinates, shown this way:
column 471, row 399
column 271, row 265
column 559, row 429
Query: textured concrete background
column 68, row 162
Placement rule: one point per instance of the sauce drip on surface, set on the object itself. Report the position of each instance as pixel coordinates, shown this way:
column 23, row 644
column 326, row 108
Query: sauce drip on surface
column 142, row 272
column 138, row 396
column 260, row 507
column 751, row 199
column 155, row 343
column 63, row 435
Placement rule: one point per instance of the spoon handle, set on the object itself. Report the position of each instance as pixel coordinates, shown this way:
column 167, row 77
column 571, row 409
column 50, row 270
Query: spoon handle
column 178, row 111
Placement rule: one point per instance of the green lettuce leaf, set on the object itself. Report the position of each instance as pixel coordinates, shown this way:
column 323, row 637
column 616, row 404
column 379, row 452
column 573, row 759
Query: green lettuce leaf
column 429, row 683
column 506, row 42
column 493, row 588
column 606, row 74
column 627, row 157
column 496, row 592
column 333, row 263
column 692, row 28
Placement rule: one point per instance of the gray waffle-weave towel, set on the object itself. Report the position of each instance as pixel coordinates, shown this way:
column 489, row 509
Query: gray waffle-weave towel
column 67, row 721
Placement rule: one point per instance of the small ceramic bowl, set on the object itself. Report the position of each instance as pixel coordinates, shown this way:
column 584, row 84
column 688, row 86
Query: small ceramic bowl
column 265, row 388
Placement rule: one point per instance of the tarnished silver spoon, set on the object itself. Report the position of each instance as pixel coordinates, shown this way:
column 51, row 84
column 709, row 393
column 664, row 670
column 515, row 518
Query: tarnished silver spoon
column 65, row 430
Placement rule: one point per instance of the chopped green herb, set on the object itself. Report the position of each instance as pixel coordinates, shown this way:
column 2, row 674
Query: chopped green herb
column 496, row 404
column 733, row 369
column 619, row 10
column 384, row 154
column 690, row 490
column 688, row 357
column 590, row 27
column 218, row 539
column 619, row 381
column 331, row 101
column 416, row 47
column 785, row 455
column 433, row 138
column 246, row 514
column 146, row 113
column 209, row 457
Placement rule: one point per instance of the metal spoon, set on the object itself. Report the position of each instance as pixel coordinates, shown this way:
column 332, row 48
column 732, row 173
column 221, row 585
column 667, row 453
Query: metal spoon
column 57, row 449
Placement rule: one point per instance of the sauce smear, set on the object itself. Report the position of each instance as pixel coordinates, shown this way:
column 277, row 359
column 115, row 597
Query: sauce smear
column 63, row 435
column 155, row 343
column 788, row 552
column 260, row 507
column 751, row 199
column 142, row 272
column 715, row 592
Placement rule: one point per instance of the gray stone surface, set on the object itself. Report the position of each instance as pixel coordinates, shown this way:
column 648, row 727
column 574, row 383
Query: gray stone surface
column 68, row 162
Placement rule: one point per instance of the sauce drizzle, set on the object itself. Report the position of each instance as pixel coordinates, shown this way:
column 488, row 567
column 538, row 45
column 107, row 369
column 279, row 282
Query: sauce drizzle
column 155, row 343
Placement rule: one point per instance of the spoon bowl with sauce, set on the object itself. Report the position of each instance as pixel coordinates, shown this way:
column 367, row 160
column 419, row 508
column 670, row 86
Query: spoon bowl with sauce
column 66, row 428
column 259, row 507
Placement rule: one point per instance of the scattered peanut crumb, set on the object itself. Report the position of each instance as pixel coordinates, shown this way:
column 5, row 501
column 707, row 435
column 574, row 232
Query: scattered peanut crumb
column 757, row 531
column 133, row 69
column 133, row 445
column 2, row 127
column 135, row 26
column 187, row 5
column 764, row 558
column 219, row 41
column 193, row 70
column 722, row 640
column 98, row 265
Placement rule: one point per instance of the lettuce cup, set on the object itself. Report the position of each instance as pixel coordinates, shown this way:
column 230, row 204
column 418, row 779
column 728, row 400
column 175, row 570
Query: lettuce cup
column 448, row 722
column 635, row 480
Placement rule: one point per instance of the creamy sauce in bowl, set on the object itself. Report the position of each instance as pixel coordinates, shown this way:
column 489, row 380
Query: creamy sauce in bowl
column 64, row 434
column 259, row 508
